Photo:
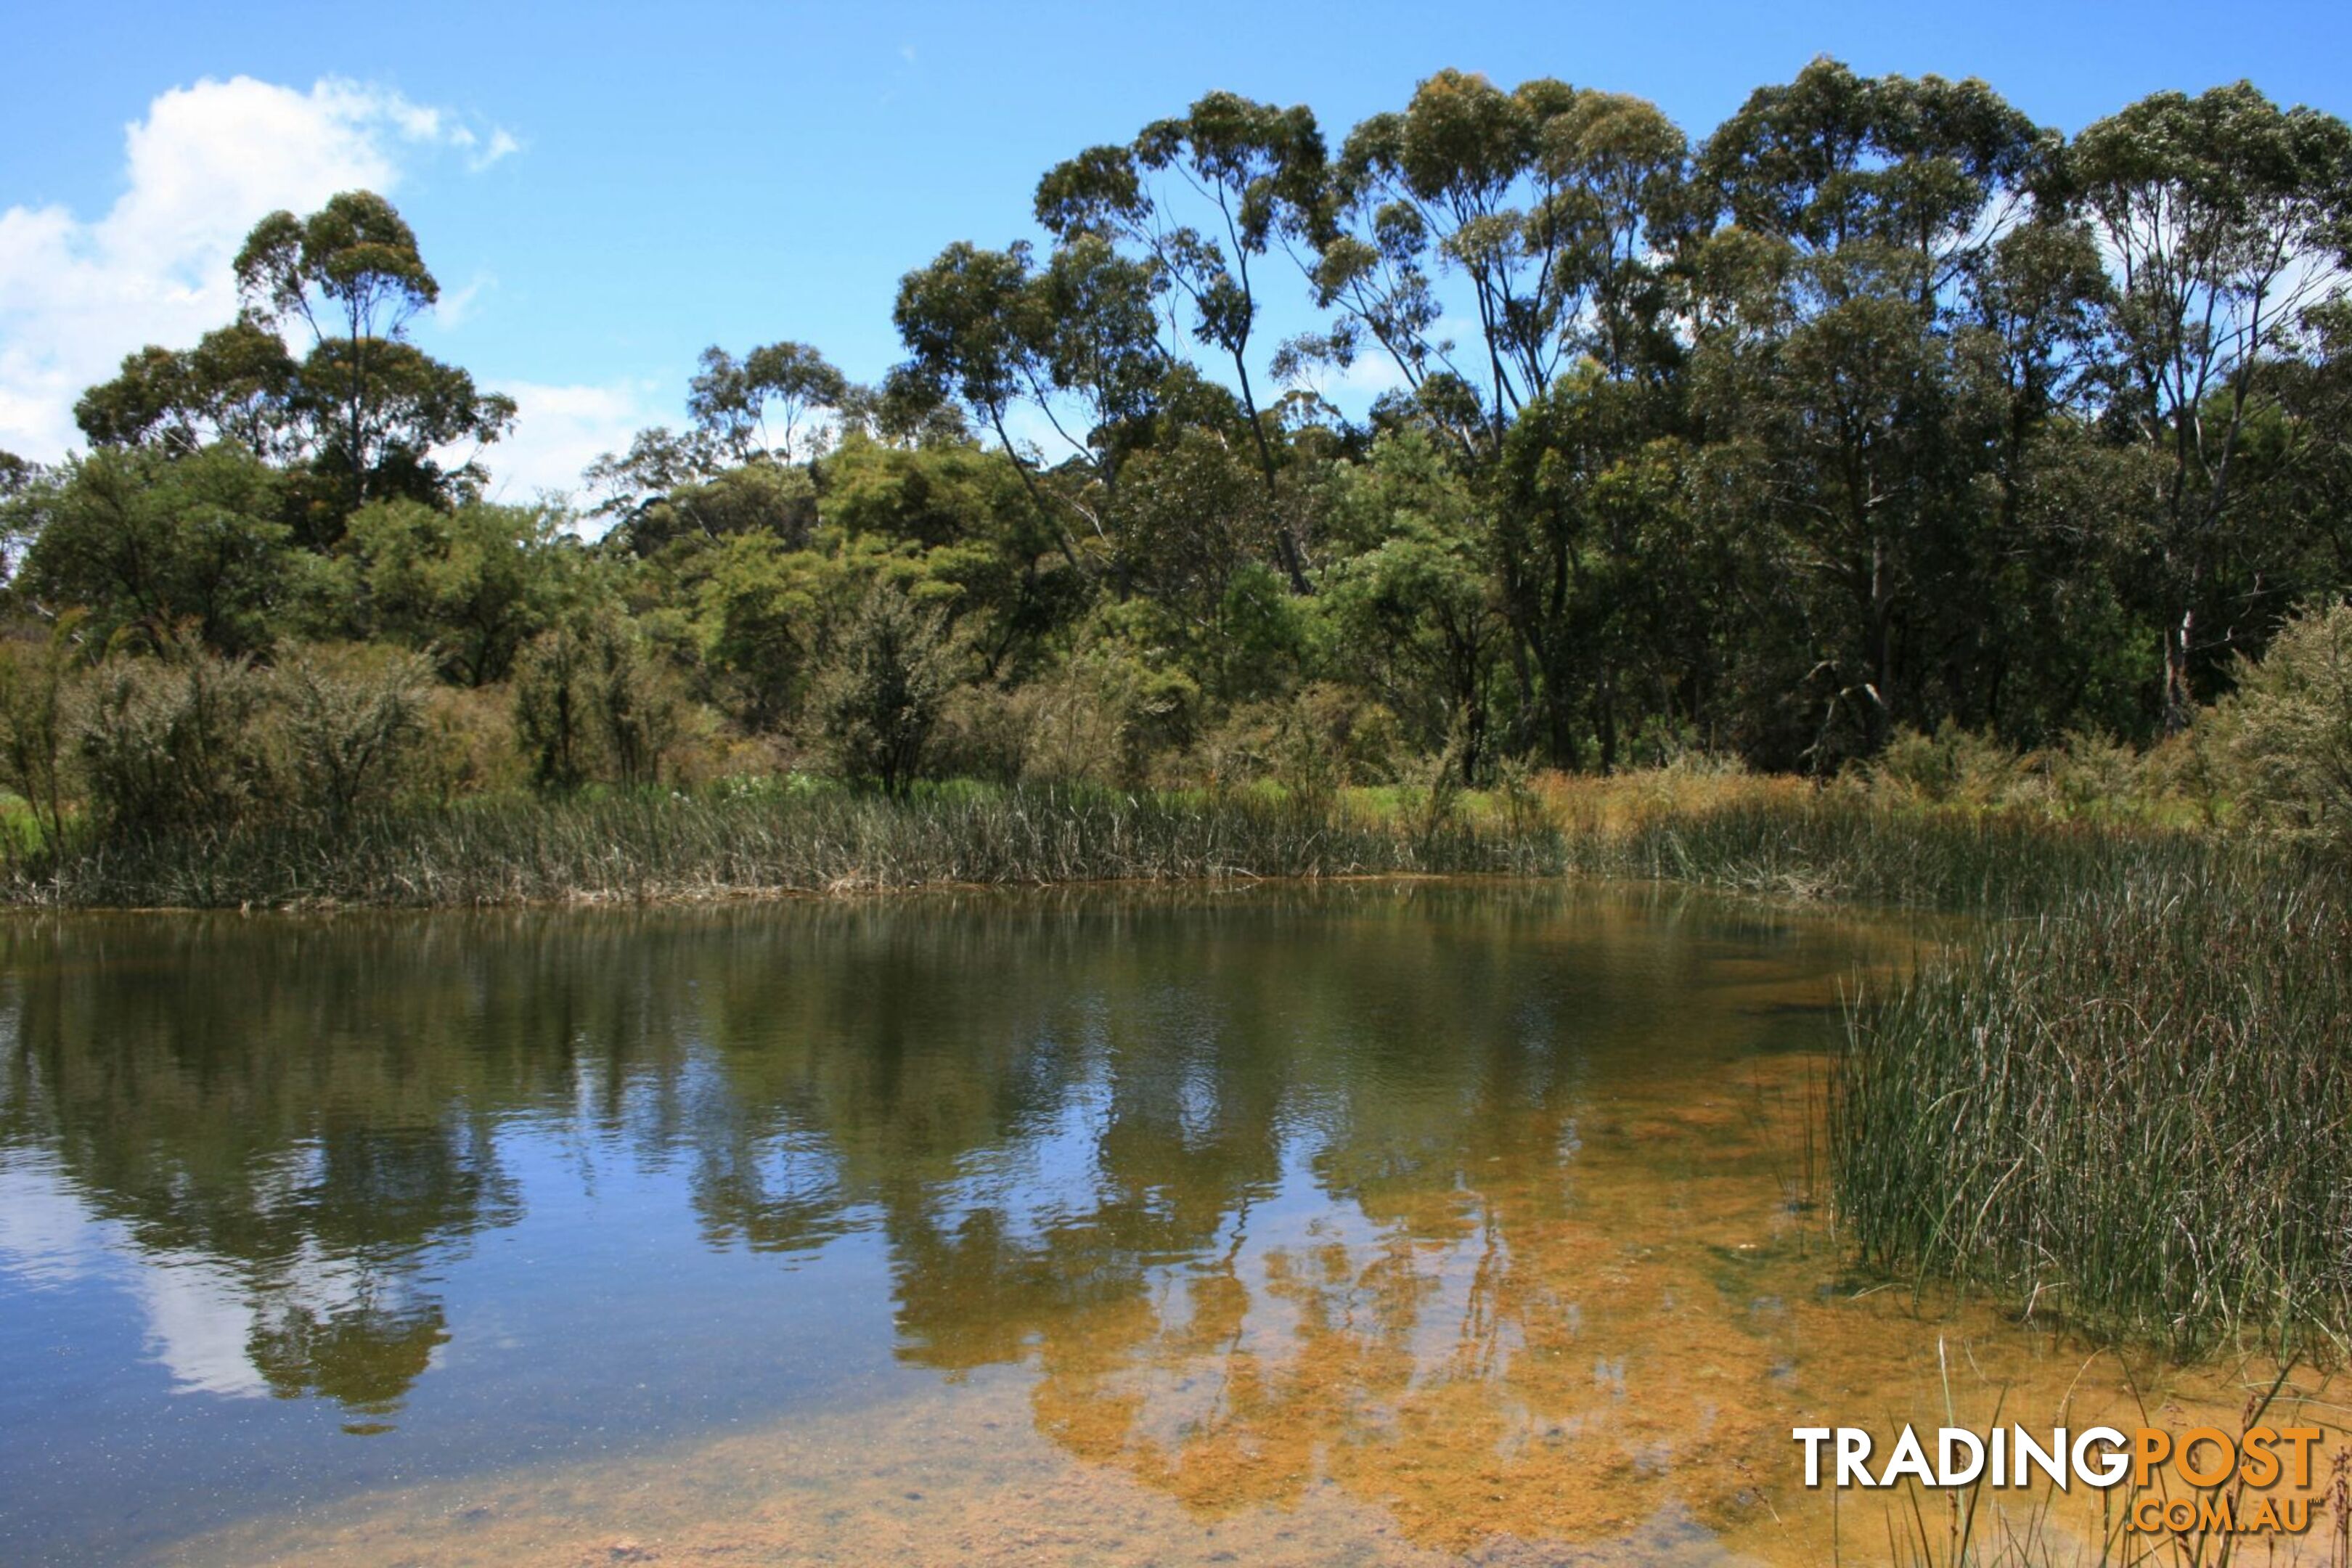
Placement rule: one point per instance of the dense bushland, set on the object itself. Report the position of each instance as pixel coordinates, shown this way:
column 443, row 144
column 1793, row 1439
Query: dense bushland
column 1877, row 426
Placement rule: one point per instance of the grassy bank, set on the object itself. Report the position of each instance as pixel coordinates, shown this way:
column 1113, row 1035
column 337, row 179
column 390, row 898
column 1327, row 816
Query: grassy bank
column 652, row 846
column 1775, row 836
column 2131, row 1113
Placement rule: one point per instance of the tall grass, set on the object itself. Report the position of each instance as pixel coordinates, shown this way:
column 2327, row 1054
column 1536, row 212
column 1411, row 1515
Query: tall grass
column 650, row 845
column 1779, row 837
column 2131, row 1113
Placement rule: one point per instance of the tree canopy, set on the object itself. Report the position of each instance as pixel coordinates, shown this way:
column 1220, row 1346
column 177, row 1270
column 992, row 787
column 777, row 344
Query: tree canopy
column 1877, row 408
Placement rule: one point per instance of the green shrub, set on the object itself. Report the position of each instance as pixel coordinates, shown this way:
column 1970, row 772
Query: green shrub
column 2092, row 774
column 177, row 744
column 592, row 701
column 634, row 701
column 469, row 744
column 880, row 702
column 34, row 698
column 551, row 720
column 2291, row 729
column 351, row 719
column 1952, row 767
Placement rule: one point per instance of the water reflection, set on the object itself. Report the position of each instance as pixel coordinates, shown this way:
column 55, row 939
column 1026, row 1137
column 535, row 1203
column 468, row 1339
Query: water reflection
column 1473, row 1202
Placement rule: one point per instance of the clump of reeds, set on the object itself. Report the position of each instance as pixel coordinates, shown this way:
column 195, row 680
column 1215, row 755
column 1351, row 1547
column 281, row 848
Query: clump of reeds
column 656, row 845
column 1771, row 837
column 2133, row 1113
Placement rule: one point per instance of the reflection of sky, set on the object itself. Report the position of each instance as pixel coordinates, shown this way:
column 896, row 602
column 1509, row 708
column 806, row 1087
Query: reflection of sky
column 47, row 1235
column 199, row 1315
column 129, row 1413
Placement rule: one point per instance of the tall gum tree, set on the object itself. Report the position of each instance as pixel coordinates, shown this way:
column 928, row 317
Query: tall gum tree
column 1549, row 205
column 1246, row 168
column 316, row 372
column 2227, row 222
column 350, row 276
column 1855, row 221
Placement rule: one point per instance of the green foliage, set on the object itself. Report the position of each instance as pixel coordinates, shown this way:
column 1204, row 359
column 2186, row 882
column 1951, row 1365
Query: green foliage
column 880, row 702
column 633, row 701
column 1414, row 616
column 1952, row 767
column 592, row 703
column 177, row 745
column 162, row 553
column 2291, row 722
column 760, row 403
column 351, row 719
column 762, row 609
column 35, row 717
column 469, row 585
column 758, row 498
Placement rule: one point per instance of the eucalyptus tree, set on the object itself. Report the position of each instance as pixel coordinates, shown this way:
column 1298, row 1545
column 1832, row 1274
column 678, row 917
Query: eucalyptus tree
column 968, row 322
column 1857, row 218
column 1542, row 215
column 316, row 371
column 235, row 385
column 1546, row 200
column 1414, row 602
column 756, row 406
column 1246, row 174
column 374, row 406
column 996, row 335
column 2228, row 225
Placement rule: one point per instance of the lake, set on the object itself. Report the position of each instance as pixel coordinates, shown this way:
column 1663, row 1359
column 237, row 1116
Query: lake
column 1376, row 1221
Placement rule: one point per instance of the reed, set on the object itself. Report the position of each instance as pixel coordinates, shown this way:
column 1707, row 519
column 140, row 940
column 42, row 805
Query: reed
column 656, row 845
column 2131, row 1112
column 1776, row 838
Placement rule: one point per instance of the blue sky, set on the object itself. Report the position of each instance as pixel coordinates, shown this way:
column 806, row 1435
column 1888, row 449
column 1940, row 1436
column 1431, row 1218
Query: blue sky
column 605, row 190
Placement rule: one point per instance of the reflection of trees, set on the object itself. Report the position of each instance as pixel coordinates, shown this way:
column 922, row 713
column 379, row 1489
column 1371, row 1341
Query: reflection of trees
column 309, row 1109
column 1084, row 1125
column 363, row 1355
column 1477, row 1334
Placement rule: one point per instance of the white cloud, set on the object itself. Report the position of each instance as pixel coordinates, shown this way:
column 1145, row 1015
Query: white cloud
column 559, row 431
column 1372, row 372
column 454, row 306
column 502, row 144
column 77, row 294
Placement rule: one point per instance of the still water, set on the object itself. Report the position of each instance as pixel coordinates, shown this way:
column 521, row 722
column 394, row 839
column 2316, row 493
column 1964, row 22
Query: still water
column 1374, row 1223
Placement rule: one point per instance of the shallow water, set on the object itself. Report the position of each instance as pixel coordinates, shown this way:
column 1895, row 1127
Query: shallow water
column 1374, row 1223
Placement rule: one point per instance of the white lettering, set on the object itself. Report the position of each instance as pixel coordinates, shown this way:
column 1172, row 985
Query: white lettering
column 2117, row 1461
column 1948, row 1439
column 1910, row 1459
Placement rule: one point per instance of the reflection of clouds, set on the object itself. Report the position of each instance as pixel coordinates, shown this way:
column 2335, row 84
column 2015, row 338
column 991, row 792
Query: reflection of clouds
column 198, row 1316
column 203, row 1316
column 47, row 1235
column 199, row 1322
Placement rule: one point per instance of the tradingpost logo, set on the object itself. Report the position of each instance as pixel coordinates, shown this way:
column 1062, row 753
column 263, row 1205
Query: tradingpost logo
column 2202, row 1479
